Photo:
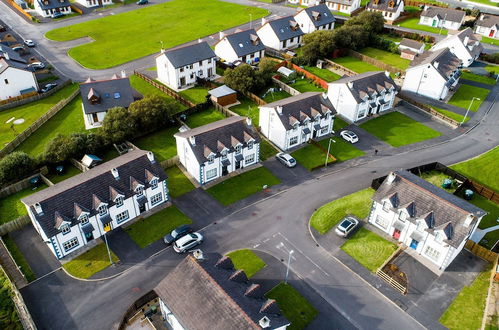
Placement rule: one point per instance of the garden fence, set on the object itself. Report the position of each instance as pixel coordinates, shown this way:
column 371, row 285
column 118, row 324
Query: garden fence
column 375, row 62
column 255, row 98
column 22, row 310
column 285, row 87
column 23, row 99
column 480, row 251
column 319, row 81
column 403, row 16
column 390, row 280
column 21, row 10
column 37, row 124
column 168, row 91
column 341, row 68
column 420, row 3
column 141, row 305
column 10, row 267
column 170, row 162
column 224, row 110
column 76, row 9
column 425, row 108
column 22, row 184
column 78, row 165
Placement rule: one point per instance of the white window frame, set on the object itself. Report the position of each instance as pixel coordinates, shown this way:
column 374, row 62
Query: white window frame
column 102, row 209
column 156, row 199
column 70, row 244
column 324, row 130
column 84, row 219
column 386, row 206
column 293, row 141
column 211, row 159
column 382, row 222
column 239, row 148
column 432, row 253
column 402, row 216
column 139, row 190
column 119, row 201
column 154, row 183
column 212, row 173
column 65, row 229
column 250, row 145
column 123, row 216
column 250, row 159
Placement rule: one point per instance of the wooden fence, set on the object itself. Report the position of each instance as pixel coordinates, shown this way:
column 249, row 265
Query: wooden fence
column 483, row 191
column 76, row 9
column 22, row 184
column 341, row 68
column 419, row 3
column 141, row 304
column 18, row 98
column 14, row 225
column 449, row 121
column 285, row 87
column 375, row 62
column 318, row 81
column 224, row 110
column 39, row 122
column 255, row 98
column 22, row 100
column 480, row 251
column 22, row 11
column 168, row 91
column 78, row 165
column 22, row 310
column 170, row 162
column 390, row 280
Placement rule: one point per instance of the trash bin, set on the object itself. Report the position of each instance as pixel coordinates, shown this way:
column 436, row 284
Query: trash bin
column 447, row 184
column 468, row 194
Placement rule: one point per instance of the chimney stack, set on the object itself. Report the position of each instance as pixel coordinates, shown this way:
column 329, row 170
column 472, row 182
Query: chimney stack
column 115, row 173
column 38, row 209
column 391, row 177
column 350, row 84
column 150, row 156
column 387, row 74
column 123, row 74
column 468, row 220
column 279, row 109
column 248, row 121
column 221, row 34
column 192, row 140
column 263, row 21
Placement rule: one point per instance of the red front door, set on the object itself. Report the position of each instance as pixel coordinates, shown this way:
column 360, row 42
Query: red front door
column 491, row 34
column 396, row 234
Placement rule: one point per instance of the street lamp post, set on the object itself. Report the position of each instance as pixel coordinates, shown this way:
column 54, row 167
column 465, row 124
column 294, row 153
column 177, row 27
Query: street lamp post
column 250, row 20
column 287, row 268
column 445, row 16
column 469, row 107
column 108, row 251
column 328, row 148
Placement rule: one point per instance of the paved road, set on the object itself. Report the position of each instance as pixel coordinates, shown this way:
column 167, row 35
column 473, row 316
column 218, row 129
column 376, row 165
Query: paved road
column 462, row 4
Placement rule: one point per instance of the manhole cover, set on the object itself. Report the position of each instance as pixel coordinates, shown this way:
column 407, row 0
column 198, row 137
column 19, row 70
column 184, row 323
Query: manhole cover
column 18, row 121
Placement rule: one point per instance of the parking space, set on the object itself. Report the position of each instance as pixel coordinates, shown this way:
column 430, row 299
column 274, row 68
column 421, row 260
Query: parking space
column 367, row 142
column 288, row 176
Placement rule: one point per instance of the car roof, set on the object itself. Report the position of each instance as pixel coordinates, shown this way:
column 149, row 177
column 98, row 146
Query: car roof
column 183, row 240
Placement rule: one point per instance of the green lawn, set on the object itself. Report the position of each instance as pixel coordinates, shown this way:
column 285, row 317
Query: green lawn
column 242, row 185
column 399, row 130
column 485, row 2
column 174, row 22
column 109, row 154
column 161, row 142
column 10, row 317
column 19, row 258
column 246, row 260
column 413, row 23
column 304, row 85
column 341, row 149
column 178, row 184
column 11, row 207
column 355, row 64
column 339, row 13
column 388, row 58
column 466, row 311
column 339, row 124
column 195, row 94
column 144, row 88
column 492, row 68
column 90, row 262
column 452, row 115
column 69, row 171
column 29, row 112
column 328, row 215
column 310, row 156
column 482, row 169
column 369, row 249
column 478, row 78
column 266, row 150
column 204, row 117
column 324, row 74
column 436, row 178
column 149, row 230
column 249, row 109
column 462, row 98
column 490, row 239
column 391, row 37
column 490, row 207
column 68, row 120
column 274, row 96
column 293, row 305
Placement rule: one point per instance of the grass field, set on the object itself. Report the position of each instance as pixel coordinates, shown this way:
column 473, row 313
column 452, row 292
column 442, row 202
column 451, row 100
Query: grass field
column 172, row 23
column 304, row 85
column 266, row 150
column 466, row 311
column 341, row 149
column 399, row 130
column 242, row 185
column 153, row 228
column 293, row 305
column 328, row 215
column 412, row 23
column 204, row 117
column 310, row 157
column 66, row 121
column 325, row 74
column 482, row 169
column 450, row 114
column 195, row 94
column 478, row 78
column 161, row 142
column 30, row 113
column 178, row 184
column 11, row 207
column 355, row 64
column 270, row 97
column 436, row 178
column 246, row 260
column 462, row 98
column 19, row 258
column 388, row 58
column 90, row 262
column 369, row 249
column 247, row 108
column 69, row 171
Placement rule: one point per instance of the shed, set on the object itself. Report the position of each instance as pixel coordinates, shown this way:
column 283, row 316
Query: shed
column 223, row 95
column 285, row 71
column 91, row 160
column 408, row 54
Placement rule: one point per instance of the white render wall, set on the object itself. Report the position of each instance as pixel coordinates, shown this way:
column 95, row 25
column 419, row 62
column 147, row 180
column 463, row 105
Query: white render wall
column 49, row 12
column 270, row 39
column 457, row 48
column 187, row 158
column 14, row 80
column 419, row 51
column 89, row 119
column 343, row 8
column 449, row 25
column 307, row 25
column 171, row 76
column 487, row 32
column 386, row 14
column 425, row 81
column 94, row 3
column 224, row 50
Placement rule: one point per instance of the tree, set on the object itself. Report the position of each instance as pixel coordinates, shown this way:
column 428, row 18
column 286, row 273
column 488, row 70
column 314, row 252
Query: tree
column 353, row 36
column 152, row 112
column 372, row 22
column 318, row 44
column 15, row 166
column 242, row 78
column 118, row 125
column 62, row 147
column 266, row 69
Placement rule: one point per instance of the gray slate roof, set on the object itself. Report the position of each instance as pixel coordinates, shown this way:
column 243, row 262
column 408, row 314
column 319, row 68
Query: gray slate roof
column 447, row 62
column 320, row 15
column 365, row 84
column 106, row 91
column 452, row 15
column 53, row 4
column 384, row 5
column 488, row 20
column 4, row 64
column 283, row 30
column 83, row 191
column 411, row 43
column 249, row 41
column 203, row 296
column 472, row 40
column 223, row 90
column 190, row 54
column 223, row 133
column 435, row 205
column 7, row 53
column 300, row 107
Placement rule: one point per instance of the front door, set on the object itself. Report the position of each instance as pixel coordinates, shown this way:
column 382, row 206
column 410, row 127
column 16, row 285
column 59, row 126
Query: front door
column 210, row 72
column 107, row 227
column 224, row 170
column 314, row 134
column 89, row 236
column 491, row 34
column 434, row 23
column 414, row 244
column 238, row 164
column 142, row 208
column 396, row 234
column 95, row 119
column 182, row 81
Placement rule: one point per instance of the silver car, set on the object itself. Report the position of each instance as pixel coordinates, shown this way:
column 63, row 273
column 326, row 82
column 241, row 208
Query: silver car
column 349, row 136
column 346, row 226
column 286, row 159
column 187, row 242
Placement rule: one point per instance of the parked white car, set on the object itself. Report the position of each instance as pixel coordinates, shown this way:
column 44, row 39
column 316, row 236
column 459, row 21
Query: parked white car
column 349, row 136
column 187, row 242
column 346, row 226
column 286, row 159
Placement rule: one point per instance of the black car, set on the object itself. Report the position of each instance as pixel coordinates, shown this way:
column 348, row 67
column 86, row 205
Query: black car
column 177, row 233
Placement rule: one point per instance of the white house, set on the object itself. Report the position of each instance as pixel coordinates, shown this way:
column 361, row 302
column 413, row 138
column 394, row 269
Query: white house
column 438, row 17
column 295, row 120
column 15, row 80
column 244, row 46
column 409, row 48
column 362, row 95
column 427, row 219
column 433, row 74
column 47, row 8
column 76, row 211
column 94, row 3
column 314, row 18
column 100, row 96
column 214, row 150
column 463, row 44
column 389, row 9
column 487, row 25
column 280, row 34
column 180, row 68
column 343, row 6
column 205, row 291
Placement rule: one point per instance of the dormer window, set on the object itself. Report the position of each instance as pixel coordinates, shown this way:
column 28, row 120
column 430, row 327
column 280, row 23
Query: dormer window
column 238, row 149
column 439, row 237
column 84, row 219
column 224, row 154
column 402, row 216
column 65, row 229
column 102, row 210
column 154, row 183
column 139, row 190
column 420, row 226
column 386, row 206
column 211, row 159
column 119, row 201
column 250, row 145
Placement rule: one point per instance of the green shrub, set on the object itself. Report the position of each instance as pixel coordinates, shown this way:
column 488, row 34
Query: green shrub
column 15, row 166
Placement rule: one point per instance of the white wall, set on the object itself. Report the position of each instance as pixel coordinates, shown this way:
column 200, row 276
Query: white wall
column 269, row 39
column 307, row 25
column 94, row 3
column 14, row 80
column 457, row 48
column 343, row 8
column 169, row 317
column 419, row 51
column 49, row 12
column 89, row 119
column 486, row 31
column 172, row 76
column 425, row 81
column 187, row 158
column 389, row 16
column 449, row 25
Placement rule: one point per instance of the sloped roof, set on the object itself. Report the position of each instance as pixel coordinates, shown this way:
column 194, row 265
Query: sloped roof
column 190, row 54
column 319, row 15
column 10, row 54
column 433, row 204
column 411, row 43
column 201, row 296
column 472, row 40
column 343, row 2
column 53, row 4
column 384, row 5
column 4, row 64
column 82, row 192
column 447, row 62
column 448, row 14
column 488, row 20
column 223, row 90
column 115, row 92
column 245, row 42
column 366, row 83
column 282, row 28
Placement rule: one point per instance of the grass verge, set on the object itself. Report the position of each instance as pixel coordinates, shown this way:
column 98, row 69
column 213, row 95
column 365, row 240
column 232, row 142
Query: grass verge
column 246, row 260
column 90, row 262
column 462, row 98
column 478, row 78
column 11, row 207
column 178, row 184
column 482, row 169
column 19, row 258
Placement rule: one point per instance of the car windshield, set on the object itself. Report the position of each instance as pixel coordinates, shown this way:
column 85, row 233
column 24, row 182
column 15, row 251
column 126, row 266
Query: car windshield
column 292, row 160
column 345, row 224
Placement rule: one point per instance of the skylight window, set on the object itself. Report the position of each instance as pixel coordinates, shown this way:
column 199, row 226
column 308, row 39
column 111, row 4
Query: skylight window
column 241, row 45
column 117, row 95
column 106, row 95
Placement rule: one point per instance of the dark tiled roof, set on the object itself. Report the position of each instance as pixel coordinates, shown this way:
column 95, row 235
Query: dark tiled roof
column 452, row 15
column 4, row 64
column 83, row 191
column 365, row 84
column 53, row 4
column 320, row 15
column 299, row 107
column 286, row 28
column 9, row 54
column 245, row 42
column 110, row 93
column 411, row 43
column 201, row 296
column 436, row 206
column 213, row 137
column 488, row 20
column 384, row 5
column 187, row 55
column 447, row 62
column 472, row 40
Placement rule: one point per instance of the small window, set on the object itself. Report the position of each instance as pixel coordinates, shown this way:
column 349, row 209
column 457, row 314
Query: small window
column 211, row 159
column 250, row 145
column 209, row 61
column 156, row 199
column 210, row 174
column 154, row 183
column 250, row 159
column 238, row 149
column 139, row 190
column 293, row 141
column 84, row 219
column 191, row 66
column 102, row 210
column 119, row 201
column 402, row 216
column 65, row 229
column 200, row 63
column 6, row 81
column 120, row 217
column 386, row 206
column 241, row 45
column 117, row 95
column 438, row 237
column 181, row 69
column 224, row 154
column 69, row 245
